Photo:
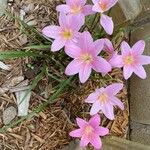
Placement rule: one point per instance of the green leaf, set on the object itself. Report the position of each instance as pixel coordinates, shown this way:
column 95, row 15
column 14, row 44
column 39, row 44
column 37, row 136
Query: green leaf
column 37, row 47
column 17, row 54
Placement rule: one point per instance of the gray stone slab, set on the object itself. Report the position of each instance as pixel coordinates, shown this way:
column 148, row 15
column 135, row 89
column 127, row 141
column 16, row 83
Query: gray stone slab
column 140, row 133
column 140, row 89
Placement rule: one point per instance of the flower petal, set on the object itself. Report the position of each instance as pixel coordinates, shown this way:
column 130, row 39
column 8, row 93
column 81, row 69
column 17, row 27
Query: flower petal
column 81, row 123
column 76, row 133
column 127, row 72
column 77, row 21
column 57, row 45
column 138, row 47
column 91, row 98
column 96, row 141
column 117, row 102
column 125, row 48
column 107, row 24
column 85, row 41
column 140, row 72
column 73, row 67
column 51, row 31
column 116, row 61
column 72, row 50
column 84, row 141
column 64, row 20
column 102, row 131
column 97, row 47
column 144, row 60
column 96, row 8
column 111, row 3
column 101, row 65
column 114, row 88
column 63, row 8
column 84, row 72
column 96, row 107
column 95, row 120
column 108, row 111
column 87, row 10
column 108, row 47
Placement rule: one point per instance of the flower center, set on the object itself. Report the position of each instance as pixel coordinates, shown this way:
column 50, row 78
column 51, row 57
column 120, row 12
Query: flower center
column 76, row 9
column 103, row 5
column 128, row 60
column 67, row 34
column 88, row 130
column 87, row 58
column 103, row 98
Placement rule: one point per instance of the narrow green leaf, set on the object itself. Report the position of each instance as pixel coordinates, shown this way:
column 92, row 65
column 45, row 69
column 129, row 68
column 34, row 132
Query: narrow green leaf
column 16, row 54
column 37, row 47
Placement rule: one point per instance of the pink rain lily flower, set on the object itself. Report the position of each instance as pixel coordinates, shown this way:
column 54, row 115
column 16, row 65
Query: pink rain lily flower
column 113, row 58
column 64, row 34
column 104, row 99
column 90, row 132
column 102, row 6
column 132, row 59
column 76, row 8
column 85, row 55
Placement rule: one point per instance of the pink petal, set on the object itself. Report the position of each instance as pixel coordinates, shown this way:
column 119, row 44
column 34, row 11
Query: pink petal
column 91, row 98
column 95, row 1
column 114, row 88
column 57, row 45
column 139, row 71
column 77, row 21
column 108, row 47
column 84, row 72
column 76, row 133
column 96, row 141
column 107, row 24
column 72, row 50
column 84, row 141
column 127, row 72
column 63, row 8
column 95, row 120
column 64, row 20
column 108, row 111
column 87, row 10
column 96, row 8
column 117, row 102
column 138, row 47
column 102, row 131
column 97, row 47
column 101, row 65
column 111, row 3
column 144, row 60
column 81, row 123
column 96, row 107
column 125, row 48
column 85, row 41
column 73, row 67
column 51, row 31
column 116, row 61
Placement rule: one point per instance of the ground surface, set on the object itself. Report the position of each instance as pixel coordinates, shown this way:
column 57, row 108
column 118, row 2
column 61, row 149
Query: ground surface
column 49, row 129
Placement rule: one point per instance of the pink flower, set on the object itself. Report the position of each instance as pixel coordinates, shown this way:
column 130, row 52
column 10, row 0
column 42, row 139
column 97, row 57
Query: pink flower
column 114, row 59
column 90, row 132
column 132, row 59
column 75, row 8
column 64, row 34
column 85, row 54
column 103, row 6
column 104, row 99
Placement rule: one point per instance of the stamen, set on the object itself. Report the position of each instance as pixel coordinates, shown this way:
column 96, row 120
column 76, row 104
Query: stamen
column 103, row 5
column 67, row 34
column 103, row 98
column 87, row 58
column 128, row 60
column 76, row 9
